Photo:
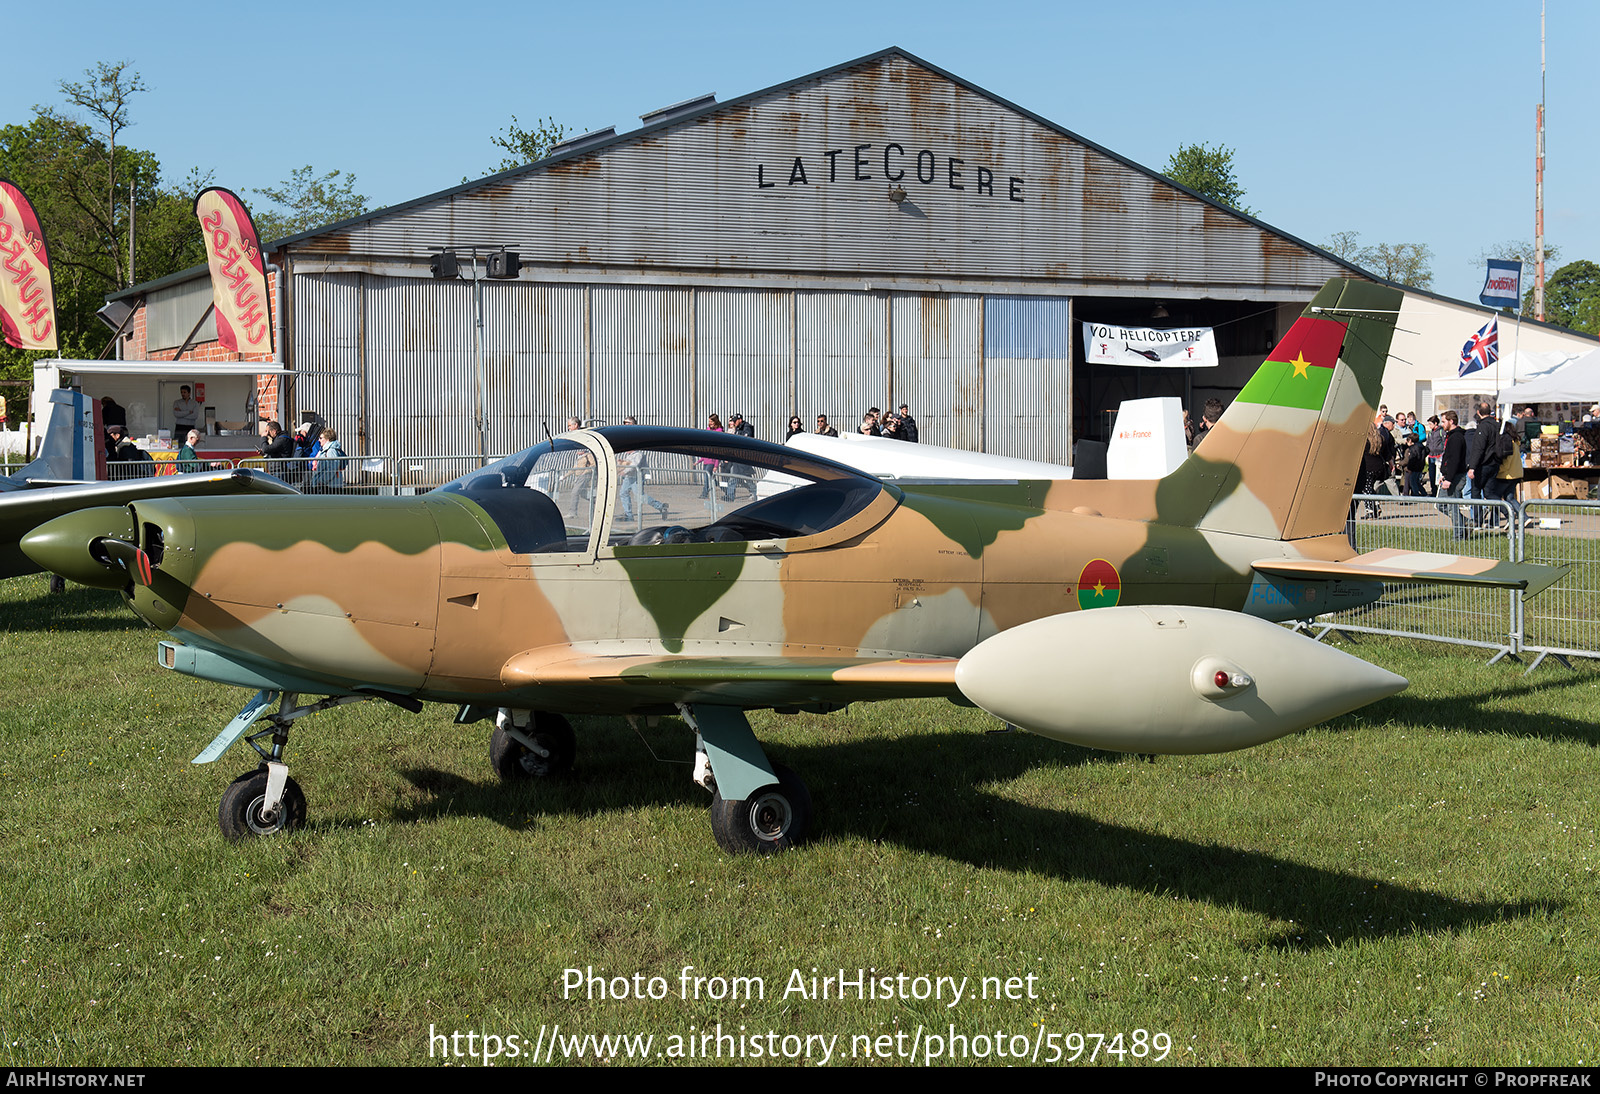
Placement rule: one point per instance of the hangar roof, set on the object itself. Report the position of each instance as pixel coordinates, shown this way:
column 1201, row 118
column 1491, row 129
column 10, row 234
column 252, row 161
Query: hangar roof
column 796, row 179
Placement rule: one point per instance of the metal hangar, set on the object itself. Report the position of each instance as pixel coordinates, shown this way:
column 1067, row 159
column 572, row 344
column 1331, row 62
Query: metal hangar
column 876, row 233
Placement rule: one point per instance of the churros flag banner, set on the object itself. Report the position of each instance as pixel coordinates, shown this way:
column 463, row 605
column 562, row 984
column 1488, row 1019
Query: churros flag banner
column 238, row 274
column 27, row 299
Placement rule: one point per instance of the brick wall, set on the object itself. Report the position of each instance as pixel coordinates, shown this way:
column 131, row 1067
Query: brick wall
column 134, row 349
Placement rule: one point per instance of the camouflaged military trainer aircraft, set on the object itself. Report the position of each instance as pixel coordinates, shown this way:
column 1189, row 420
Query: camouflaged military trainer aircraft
column 642, row 571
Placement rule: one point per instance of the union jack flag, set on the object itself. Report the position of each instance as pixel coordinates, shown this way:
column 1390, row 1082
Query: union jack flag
column 1481, row 350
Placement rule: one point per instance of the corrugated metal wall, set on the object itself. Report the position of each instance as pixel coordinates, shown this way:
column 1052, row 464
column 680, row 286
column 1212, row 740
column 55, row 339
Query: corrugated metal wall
column 417, row 351
column 744, row 340
column 1027, row 349
column 937, row 367
column 327, row 358
column 643, row 359
column 796, row 180
column 535, row 354
column 841, row 355
column 390, row 360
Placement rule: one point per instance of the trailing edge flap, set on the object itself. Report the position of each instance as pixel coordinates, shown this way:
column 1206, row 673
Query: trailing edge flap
column 763, row 679
column 1393, row 565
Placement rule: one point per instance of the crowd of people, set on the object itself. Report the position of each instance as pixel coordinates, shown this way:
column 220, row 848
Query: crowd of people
column 896, row 424
column 1444, row 458
column 312, row 458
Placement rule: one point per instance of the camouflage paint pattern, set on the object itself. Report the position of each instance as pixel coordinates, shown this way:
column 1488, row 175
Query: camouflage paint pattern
column 424, row 595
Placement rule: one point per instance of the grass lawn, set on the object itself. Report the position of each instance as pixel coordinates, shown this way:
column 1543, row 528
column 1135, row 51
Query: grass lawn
column 1412, row 884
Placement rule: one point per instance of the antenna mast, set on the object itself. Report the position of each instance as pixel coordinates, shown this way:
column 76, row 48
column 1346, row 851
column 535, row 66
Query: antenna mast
column 1538, row 188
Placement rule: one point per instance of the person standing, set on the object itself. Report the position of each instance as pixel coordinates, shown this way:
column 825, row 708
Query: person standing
column 1435, row 450
column 1453, row 472
column 823, row 428
column 112, row 413
column 327, row 462
column 277, row 445
column 709, row 466
column 1208, row 418
column 187, row 461
column 185, row 415
column 1508, row 473
column 908, row 424
column 739, row 472
column 1482, row 463
column 1377, row 463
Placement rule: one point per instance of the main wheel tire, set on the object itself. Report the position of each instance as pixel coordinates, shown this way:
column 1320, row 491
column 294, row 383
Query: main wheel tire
column 514, row 761
column 240, row 817
column 775, row 818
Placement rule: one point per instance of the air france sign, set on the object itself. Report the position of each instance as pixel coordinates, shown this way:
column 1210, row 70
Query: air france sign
column 1147, row 347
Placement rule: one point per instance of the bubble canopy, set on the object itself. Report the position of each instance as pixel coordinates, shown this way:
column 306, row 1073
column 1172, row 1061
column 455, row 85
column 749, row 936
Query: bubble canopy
column 655, row 486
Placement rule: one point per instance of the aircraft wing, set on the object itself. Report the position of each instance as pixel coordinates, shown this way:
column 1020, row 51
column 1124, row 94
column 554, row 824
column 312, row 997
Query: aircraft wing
column 1427, row 567
column 23, row 510
column 734, row 681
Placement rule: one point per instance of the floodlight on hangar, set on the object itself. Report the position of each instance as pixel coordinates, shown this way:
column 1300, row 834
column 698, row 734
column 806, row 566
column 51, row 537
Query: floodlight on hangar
column 444, row 266
column 504, row 265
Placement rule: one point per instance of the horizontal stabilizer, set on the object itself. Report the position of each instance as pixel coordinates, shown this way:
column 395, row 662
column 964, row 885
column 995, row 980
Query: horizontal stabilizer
column 1391, row 565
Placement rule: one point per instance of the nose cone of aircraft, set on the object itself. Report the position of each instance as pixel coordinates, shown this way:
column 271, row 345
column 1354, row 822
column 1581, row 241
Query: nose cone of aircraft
column 96, row 547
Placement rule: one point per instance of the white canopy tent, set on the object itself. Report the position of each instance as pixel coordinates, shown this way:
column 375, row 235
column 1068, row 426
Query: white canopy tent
column 1577, row 381
column 1520, row 367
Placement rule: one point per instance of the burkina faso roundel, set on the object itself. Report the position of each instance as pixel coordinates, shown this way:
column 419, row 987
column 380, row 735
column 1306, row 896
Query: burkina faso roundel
column 1099, row 585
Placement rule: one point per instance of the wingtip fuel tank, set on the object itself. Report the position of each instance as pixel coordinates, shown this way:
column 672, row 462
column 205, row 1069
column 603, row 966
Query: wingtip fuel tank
column 1165, row 679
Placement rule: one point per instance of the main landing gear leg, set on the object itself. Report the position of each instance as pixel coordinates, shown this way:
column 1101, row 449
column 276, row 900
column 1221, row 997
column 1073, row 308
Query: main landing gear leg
column 265, row 801
column 756, row 805
column 531, row 744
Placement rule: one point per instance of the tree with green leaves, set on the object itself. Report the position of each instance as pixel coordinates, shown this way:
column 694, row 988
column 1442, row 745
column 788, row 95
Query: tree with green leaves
column 1208, row 172
column 1403, row 263
column 1518, row 250
column 1571, row 297
column 528, row 145
column 104, row 94
column 62, row 164
column 307, row 200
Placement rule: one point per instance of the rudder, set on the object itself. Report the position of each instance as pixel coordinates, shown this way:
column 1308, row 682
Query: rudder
column 1282, row 461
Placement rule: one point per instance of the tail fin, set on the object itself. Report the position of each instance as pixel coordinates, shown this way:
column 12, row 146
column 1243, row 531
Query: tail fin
column 1283, row 460
column 71, row 441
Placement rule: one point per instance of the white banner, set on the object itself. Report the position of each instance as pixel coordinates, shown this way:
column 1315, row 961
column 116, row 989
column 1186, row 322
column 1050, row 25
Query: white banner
column 1147, row 347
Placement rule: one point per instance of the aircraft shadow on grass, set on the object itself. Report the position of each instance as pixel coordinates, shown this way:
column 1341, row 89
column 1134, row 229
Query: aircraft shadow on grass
column 1483, row 711
column 79, row 609
column 950, row 814
column 1486, row 709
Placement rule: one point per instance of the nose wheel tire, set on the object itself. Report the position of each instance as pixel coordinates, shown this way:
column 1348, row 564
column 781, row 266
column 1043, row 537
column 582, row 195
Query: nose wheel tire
column 242, row 813
column 775, row 818
column 514, row 761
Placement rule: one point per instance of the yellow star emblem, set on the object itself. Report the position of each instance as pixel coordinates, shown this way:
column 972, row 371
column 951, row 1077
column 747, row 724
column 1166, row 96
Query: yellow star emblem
column 1300, row 363
column 1099, row 589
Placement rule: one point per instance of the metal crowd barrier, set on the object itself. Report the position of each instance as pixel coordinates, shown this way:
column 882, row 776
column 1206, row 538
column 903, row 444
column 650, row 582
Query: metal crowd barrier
column 1564, row 620
column 340, row 475
column 1460, row 614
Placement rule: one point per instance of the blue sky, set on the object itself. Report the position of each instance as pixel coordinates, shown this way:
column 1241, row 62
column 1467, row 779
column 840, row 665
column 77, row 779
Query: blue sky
column 1405, row 121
